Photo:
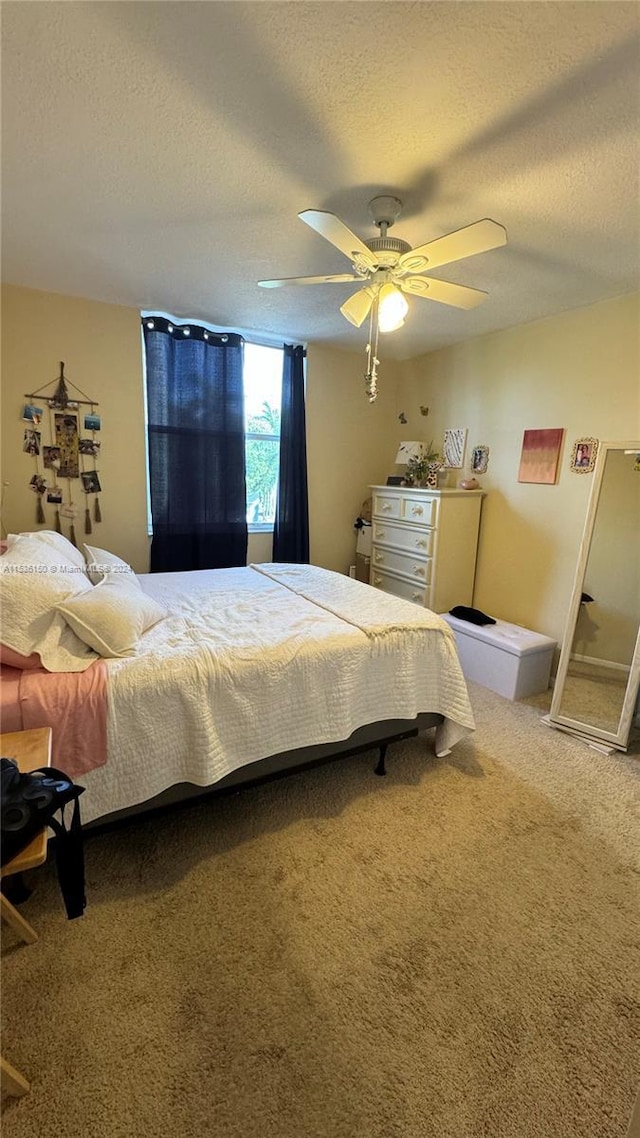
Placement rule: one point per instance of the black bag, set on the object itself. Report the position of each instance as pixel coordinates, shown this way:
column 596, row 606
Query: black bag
column 28, row 803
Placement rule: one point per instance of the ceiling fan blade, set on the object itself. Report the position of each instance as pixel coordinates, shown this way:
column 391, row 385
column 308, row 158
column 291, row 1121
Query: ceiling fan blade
column 332, row 229
column 460, row 296
column 478, row 237
column 358, row 306
column 340, row 278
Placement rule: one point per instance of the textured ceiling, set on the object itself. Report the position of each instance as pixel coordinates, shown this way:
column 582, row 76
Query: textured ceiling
column 157, row 154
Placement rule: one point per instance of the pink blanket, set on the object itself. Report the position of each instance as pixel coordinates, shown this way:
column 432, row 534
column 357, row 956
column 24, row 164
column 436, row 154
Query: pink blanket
column 74, row 704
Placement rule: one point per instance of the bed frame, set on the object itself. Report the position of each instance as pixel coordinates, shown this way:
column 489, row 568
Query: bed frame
column 373, row 736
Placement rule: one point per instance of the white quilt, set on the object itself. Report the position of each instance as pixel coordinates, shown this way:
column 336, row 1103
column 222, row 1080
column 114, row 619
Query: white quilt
column 258, row 660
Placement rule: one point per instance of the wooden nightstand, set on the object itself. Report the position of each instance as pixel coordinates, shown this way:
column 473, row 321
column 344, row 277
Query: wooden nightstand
column 30, row 749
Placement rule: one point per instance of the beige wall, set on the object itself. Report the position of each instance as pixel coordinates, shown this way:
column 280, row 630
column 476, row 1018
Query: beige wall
column 101, row 348
column 580, row 371
column 350, row 444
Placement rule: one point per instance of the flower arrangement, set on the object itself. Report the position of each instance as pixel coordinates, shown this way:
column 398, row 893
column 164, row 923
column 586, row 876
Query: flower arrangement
column 423, row 470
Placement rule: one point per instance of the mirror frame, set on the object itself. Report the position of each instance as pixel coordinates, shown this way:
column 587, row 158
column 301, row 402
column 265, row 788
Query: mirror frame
column 620, row 738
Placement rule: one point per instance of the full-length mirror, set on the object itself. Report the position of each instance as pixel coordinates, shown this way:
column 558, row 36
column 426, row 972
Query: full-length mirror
column 596, row 687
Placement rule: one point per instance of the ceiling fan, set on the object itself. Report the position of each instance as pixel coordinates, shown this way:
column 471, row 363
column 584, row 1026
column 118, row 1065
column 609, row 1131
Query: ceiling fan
column 387, row 266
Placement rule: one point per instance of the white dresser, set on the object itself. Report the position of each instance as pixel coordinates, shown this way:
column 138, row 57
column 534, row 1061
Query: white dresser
column 424, row 544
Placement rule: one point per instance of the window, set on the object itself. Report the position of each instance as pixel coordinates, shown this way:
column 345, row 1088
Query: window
column 262, row 379
column 262, row 406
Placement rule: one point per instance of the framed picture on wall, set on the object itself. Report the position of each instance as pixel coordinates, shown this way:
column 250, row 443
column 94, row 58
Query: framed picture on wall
column 453, row 447
column 479, row 459
column 540, row 455
column 583, row 455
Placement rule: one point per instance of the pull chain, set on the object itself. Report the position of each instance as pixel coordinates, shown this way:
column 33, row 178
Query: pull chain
column 371, row 374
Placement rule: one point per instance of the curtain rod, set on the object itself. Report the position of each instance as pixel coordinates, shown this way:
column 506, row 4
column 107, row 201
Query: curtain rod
column 262, row 340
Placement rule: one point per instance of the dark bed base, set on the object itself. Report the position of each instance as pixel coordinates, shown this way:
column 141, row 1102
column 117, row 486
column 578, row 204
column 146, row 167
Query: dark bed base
column 372, row 736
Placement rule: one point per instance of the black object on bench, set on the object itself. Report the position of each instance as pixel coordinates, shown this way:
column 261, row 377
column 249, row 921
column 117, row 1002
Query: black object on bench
column 474, row 616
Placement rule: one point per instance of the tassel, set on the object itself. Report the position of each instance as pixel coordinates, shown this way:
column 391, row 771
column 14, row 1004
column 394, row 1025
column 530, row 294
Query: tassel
column 87, row 521
column 97, row 516
column 58, row 526
column 40, row 518
column 72, row 535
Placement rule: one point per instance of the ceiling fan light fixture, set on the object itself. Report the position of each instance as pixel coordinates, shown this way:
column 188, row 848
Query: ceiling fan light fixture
column 356, row 308
column 392, row 268
column 392, row 308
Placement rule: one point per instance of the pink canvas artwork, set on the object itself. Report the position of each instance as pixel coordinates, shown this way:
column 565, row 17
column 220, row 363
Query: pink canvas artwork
column 540, row 455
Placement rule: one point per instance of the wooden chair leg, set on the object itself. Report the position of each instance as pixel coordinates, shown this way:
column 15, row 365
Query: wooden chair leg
column 17, row 923
column 13, row 1083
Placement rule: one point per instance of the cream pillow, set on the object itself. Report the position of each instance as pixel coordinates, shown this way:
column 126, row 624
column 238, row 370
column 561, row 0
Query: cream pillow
column 100, row 563
column 112, row 616
column 35, row 575
column 56, row 541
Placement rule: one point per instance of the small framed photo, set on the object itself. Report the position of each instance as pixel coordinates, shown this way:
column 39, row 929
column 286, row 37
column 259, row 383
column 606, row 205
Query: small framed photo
column 583, row 455
column 89, row 446
column 31, row 441
column 38, row 484
column 479, row 459
column 32, row 414
column 54, row 495
column 90, row 482
column 92, row 422
column 51, row 457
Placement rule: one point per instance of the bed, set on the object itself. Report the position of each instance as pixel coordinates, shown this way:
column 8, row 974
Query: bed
column 247, row 673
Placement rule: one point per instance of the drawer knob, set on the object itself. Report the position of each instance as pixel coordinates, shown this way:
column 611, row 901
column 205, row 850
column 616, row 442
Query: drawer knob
column 417, row 510
column 379, row 534
column 386, row 505
column 379, row 557
column 416, row 596
column 420, row 544
column 377, row 580
column 418, row 570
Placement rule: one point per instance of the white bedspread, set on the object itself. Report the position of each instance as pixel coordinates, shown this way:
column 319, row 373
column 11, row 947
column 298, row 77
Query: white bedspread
column 258, row 660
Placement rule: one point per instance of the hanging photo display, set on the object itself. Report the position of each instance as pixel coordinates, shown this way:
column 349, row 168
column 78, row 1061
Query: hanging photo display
column 65, row 452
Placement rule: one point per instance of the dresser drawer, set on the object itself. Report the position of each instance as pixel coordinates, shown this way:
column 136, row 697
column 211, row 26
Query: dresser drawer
column 404, row 537
column 387, row 505
column 405, row 589
column 417, row 568
column 419, row 509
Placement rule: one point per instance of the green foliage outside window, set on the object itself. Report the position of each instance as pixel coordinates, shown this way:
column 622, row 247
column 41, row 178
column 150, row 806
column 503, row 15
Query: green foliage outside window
column 262, row 464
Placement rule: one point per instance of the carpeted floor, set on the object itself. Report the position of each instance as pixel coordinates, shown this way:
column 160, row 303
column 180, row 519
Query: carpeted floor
column 450, row 952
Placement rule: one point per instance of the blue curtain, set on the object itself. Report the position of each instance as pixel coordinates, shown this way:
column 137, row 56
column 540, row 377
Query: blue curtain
column 291, row 529
column 195, row 411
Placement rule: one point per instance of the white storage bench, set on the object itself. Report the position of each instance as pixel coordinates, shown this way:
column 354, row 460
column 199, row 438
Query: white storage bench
column 504, row 657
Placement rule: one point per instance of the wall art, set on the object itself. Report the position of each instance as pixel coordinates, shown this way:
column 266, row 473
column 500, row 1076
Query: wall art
column 480, row 459
column 453, row 447
column 583, row 455
column 540, row 455
column 65, row 453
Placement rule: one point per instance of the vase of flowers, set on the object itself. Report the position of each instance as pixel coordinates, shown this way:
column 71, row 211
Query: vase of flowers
column 423, row 470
